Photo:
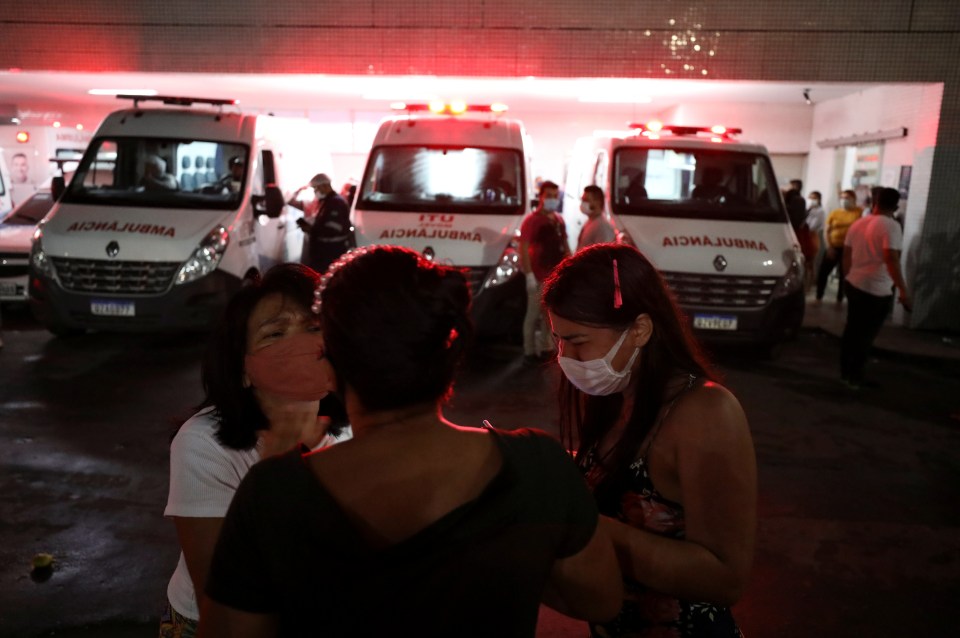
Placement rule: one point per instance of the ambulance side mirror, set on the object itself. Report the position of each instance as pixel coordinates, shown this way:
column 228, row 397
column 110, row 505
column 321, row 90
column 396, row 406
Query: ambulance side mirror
column 271, row 203
column 57, row 185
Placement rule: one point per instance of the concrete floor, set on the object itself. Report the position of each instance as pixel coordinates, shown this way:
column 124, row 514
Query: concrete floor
column 858, row 523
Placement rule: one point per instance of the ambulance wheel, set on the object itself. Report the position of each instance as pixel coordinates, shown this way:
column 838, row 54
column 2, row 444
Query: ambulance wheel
column 63, row 332
column 772, row 351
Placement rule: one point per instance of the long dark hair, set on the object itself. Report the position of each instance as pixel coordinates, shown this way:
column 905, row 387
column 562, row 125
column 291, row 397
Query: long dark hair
column 235, row 407
column 582, row 289
column 395, row 325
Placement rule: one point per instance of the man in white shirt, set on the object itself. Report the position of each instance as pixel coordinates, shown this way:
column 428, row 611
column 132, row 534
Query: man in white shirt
column 597, row 230
column 871, row 265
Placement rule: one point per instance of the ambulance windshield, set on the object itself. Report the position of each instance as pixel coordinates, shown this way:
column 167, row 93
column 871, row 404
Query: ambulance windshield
column 160, row 173
column 431, row 179
column 695, row 184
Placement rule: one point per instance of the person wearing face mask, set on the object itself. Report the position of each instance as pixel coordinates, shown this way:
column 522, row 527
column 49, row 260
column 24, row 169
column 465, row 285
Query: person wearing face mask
column 543, row 244
column 666, row 450
column 811, row 243
column 871, row 264
column 597, row 230
column 834, row 232
column 437, row 529
column 329, row 233
column 264, row 377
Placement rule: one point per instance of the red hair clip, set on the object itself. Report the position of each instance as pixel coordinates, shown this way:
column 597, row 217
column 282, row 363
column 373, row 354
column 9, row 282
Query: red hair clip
column 451, row 337
column 617, row 296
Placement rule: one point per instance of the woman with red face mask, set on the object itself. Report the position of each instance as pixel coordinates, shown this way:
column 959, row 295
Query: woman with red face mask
column 264, row 377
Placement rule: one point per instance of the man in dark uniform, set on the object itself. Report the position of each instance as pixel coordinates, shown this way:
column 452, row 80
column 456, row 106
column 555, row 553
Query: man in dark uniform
column 796, row 205
column 329, row 233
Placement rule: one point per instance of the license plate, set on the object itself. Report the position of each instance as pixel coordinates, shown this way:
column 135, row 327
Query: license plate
column 112, row 308
column 8, row 289
column 715, row 322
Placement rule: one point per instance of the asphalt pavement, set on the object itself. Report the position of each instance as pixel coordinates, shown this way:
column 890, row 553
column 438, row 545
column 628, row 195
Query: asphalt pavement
column 858, row 525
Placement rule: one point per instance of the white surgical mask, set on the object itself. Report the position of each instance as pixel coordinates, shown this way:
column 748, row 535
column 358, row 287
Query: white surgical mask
column 597, row 376
column 847, row 203
column 585, row 208
column 551, row 204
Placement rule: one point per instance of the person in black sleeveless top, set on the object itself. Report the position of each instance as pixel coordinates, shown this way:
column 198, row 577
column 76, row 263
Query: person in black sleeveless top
column 665, row 448
column 416, row 526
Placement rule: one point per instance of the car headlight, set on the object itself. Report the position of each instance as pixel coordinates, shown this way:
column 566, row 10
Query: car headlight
column 38, row 259
column 205, row 258
column 792, row 281
column 507, row 266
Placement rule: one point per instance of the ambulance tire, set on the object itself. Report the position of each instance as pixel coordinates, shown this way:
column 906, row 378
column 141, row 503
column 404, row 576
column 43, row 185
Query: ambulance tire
column 63, row 332
column 772, row 351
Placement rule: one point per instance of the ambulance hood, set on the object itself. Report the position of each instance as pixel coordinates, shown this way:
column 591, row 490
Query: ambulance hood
column 143, row 234
column 456, row 239
column 755, row 249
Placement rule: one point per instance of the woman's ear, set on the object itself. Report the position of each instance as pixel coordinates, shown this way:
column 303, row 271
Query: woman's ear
column 642, row 330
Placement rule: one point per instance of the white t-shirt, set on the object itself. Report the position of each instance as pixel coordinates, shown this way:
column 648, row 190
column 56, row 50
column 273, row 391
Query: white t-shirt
column 203, row 478
column 866, row 241
column 815, row 218
column 597, row 230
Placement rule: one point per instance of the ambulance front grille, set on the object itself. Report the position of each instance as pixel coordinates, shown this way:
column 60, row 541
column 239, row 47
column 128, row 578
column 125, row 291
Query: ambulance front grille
column 118, row 277
column 14, row 264
column 720, row 291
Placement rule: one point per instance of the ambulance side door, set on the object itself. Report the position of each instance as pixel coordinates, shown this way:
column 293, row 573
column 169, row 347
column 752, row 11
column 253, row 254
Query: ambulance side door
column 270, row 233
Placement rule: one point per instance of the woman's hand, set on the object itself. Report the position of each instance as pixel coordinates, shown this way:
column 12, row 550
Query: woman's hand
column 714, row 477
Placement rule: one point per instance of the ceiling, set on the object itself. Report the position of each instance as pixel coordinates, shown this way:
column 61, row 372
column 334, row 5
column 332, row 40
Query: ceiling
column 40, row 96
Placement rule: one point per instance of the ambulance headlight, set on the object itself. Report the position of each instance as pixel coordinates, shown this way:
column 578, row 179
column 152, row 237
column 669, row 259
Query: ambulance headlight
column 507, row 266
column 39, row 260
column 205, row 258
column 792, row 281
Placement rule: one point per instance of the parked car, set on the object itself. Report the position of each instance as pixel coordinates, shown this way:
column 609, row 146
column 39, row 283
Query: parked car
column 16, row 232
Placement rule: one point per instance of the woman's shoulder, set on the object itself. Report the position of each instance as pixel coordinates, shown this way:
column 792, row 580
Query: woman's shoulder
column 530, row 440
column 198, row 436
column 201, row 425
column 707, row 409
column 534, row 450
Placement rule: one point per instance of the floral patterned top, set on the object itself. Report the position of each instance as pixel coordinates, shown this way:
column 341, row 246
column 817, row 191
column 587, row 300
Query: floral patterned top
column 647, row 613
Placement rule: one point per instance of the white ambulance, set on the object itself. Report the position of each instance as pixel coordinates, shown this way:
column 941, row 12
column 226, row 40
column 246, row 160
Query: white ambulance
column 706, row 210
column 36, row 151
column 6, row 196
column 452, row 181
column 169, row 211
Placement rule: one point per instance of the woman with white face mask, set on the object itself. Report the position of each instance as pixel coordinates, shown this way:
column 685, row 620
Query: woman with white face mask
column 666, row 450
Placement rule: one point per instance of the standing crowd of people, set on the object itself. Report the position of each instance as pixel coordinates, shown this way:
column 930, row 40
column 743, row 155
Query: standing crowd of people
column 863, row 246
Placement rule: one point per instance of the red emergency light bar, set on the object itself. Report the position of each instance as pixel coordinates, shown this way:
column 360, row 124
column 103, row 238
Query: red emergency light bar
column 656, row 128
column 454, row 107
column 176, row 100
